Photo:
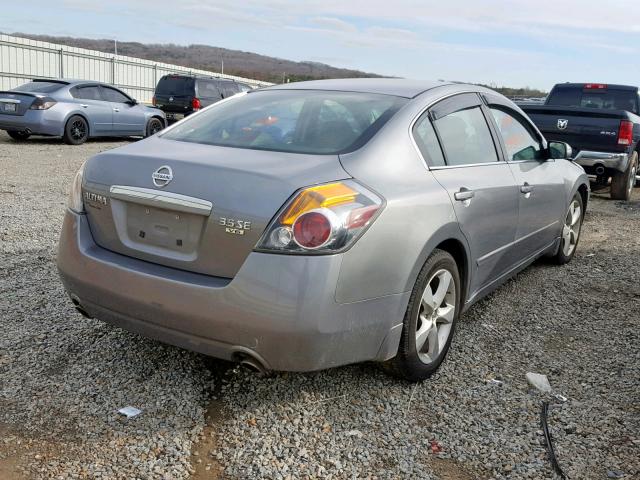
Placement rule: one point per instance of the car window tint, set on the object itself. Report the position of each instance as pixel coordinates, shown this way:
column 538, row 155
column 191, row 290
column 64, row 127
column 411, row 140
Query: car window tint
column 519, row 141
column 208, row 89
column 113, row 95
column 87, row 93
column 315, row 122
column 466, row 138
column 39, row 87
column 427, row 142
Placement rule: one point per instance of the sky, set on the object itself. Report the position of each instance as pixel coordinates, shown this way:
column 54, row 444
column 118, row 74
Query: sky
column 516, row 43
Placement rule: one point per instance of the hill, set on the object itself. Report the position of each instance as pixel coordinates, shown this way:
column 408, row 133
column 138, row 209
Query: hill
column 236, row 62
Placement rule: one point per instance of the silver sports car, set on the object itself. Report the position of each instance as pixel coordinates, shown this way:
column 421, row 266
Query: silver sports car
column 75, row 110
column 317, row 224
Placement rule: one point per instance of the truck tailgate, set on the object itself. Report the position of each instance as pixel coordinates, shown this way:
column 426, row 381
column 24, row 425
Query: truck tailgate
column 582, row 128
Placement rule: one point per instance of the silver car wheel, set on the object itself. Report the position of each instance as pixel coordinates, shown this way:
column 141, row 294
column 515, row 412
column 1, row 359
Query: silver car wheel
column 571, row 228
column 435, row 317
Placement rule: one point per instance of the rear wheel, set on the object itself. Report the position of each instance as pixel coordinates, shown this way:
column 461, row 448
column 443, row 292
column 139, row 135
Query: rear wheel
column 622, row 183
column 571, row 228
column 76, row 131
column 430, row 319
column 154, row 126
column 19, row 136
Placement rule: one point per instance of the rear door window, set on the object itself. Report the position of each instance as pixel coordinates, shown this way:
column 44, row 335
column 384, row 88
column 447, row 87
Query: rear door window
column 88, row 92
column 466, row 138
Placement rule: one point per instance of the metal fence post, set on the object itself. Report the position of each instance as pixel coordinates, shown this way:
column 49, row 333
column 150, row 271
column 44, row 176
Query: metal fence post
column 113, row 70
column 155, row 74
column 61, row 52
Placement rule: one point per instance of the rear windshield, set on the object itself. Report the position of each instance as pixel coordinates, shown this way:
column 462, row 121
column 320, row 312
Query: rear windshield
column 605, row 99
column 39, row 87
column 175, row 86
column 297, row 121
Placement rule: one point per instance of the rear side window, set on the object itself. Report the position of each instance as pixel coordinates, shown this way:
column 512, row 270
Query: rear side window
column 313, row 122
column 172, row 85
column 208, row 89
column 521, row 144
column 466, row 138
column 427, row 141
column 604, row 99
column 91, row 92
column 39, row 87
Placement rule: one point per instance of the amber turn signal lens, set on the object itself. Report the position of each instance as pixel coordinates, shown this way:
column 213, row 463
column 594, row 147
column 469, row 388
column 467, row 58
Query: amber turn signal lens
column 321, row 196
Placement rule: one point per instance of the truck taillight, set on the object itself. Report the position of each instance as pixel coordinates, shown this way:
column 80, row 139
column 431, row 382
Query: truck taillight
column 625, row 134
column 595, row 86
column 195, row 103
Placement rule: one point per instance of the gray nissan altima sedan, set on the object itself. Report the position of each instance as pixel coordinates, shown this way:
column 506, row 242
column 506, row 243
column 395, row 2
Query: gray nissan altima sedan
column 316, row 224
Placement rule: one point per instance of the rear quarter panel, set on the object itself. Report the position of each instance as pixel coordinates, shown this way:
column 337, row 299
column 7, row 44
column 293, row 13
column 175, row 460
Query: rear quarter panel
column 417, row 217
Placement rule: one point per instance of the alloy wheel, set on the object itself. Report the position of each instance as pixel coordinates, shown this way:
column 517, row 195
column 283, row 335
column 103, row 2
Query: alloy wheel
column 435, row 316
column 571, row 228
column 632, row 179
column 78, row 130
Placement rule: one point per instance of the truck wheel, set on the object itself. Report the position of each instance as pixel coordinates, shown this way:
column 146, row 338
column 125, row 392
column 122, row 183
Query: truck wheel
column 19, row 136
column 571, row 226
column 430, row 319
column 622, row 183
column 76, row 131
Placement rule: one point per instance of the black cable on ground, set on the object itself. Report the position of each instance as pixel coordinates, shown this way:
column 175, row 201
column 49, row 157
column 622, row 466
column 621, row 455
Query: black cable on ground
column 547, row 436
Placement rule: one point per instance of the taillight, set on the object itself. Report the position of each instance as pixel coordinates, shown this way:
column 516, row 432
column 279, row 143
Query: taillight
column 42, row 103
column 625, row 134
column 322, row 219
column 195, row 103
column 153, row 100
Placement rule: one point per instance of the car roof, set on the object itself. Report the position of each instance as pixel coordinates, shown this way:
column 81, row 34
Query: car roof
column 398, row 87
column 71, row 81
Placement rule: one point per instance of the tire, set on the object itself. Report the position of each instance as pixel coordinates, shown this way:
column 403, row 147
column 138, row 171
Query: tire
column 572, row 226
column 154, row 126
column 622, row 183
column 19, row 136
column 76, row 131
column 416, row 362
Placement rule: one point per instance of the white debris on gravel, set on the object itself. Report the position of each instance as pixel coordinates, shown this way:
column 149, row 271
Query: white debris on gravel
column 541, row 382
column 62, row 377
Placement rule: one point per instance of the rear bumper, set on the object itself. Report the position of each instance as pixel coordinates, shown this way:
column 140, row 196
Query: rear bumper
column 279, row 309
column 592, row 160
column 37, row 122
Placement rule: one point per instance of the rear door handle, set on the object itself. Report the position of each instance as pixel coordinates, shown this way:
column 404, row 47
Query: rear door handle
column 83, row 105
column 116, row 109
column 464, row 194
column 526, row 188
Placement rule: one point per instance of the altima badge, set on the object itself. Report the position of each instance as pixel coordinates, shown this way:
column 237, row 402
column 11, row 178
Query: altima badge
column 162, row 176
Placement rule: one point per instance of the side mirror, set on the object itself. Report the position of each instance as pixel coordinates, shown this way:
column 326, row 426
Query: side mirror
column 133, row 102
column 560, row 150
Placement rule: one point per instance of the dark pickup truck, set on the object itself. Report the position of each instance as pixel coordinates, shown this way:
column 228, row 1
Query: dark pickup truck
column 601, row 124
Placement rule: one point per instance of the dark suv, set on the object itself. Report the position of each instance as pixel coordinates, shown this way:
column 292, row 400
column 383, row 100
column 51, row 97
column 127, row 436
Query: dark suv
column 181, row 95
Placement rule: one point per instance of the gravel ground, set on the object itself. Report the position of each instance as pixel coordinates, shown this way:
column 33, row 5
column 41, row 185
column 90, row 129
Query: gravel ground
column 62, row 377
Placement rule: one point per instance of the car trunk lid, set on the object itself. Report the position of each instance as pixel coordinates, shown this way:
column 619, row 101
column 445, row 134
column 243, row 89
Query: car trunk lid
column 209, row 216
column 16, row 103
